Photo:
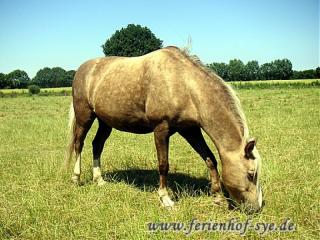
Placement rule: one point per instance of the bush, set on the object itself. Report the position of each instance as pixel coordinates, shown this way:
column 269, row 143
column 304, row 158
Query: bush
column 34, row 89
column 132, row 41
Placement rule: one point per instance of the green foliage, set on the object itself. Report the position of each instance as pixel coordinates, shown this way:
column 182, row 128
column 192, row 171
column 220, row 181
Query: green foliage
column 53, row 77
column 266, row 71
column 131, row 41
column 252, row 70
column 69, row 78
column 283, row 69
column 34, row 89
column 236, row 70
column 15, row 79
column 306, row 74
column 318, row 72
column 3, row 81
column 221, row 69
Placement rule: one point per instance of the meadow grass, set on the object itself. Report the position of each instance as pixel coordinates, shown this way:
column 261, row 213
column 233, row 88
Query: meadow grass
column 8, row 91
column 38, row 201
column 62, row 91
column 278, row 81
column 276, row 84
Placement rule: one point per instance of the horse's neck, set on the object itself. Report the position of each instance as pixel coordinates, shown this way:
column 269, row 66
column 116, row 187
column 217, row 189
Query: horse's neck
column 219, row 119
column 226, row 137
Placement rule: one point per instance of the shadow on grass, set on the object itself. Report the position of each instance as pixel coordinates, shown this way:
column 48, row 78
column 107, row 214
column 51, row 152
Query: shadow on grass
column 148, row 180
column 179, row 183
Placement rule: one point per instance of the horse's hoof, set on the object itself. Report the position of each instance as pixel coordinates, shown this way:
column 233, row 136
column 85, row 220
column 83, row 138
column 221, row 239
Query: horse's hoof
column 215, row 187
column 76, row 179
column 218, row 199
column 101, row 182
column 166, row 202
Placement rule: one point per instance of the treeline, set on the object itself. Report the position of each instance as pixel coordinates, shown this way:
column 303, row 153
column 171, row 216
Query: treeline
column 235, row 70
column 278, row 69
column 45, row 78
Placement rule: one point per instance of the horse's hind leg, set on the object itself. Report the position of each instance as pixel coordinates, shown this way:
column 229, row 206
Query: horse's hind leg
column 84, row 118
column 80, row 134
column 161, row 137
column 97, row 145
column 196, row 140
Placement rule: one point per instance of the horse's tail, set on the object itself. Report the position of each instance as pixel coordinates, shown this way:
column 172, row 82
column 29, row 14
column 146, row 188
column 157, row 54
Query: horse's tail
column 71, row 135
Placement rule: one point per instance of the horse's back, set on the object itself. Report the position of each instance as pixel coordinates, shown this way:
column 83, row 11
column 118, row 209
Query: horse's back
column 134, row 91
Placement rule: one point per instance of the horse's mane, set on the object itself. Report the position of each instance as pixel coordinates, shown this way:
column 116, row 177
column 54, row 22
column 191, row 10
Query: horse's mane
column 230, row 93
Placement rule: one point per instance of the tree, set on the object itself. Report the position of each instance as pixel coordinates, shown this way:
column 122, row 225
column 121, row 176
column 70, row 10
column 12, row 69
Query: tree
column 277, row 69
column 308, row 74
column 221, row 69
column 297, row 75
column 266, row 71
column 3, row 81
column 69, row 78
column 53, row 77
column 282, row 69
column 318, row 72
column 133, row 40
column 252, row 70
column 58, row 77
column 236, row 70
column 17, row 79
column 43, row 77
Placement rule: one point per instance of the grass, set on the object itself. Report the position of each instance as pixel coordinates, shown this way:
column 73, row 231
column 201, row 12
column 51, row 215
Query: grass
column 279, row 81
column 62, row 91
column 37, row 200
column 277, row 84
column 8, row 91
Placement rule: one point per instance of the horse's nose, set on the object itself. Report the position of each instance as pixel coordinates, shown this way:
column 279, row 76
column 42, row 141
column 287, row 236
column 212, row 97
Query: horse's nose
column 255, row 206
column 253, row 209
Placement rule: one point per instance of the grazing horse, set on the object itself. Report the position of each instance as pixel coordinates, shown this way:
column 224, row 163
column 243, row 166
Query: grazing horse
column 164, row 92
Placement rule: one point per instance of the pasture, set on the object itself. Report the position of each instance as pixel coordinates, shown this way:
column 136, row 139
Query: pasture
column 38, row 201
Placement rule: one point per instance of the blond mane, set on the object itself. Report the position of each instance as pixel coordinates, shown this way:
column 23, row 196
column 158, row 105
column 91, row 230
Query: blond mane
column 233, row 98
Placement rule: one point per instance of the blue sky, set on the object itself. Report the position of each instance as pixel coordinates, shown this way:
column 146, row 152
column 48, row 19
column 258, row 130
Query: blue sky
column 65, row 33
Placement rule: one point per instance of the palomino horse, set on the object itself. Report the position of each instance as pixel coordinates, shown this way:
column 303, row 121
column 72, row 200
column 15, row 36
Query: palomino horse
column 166, row 91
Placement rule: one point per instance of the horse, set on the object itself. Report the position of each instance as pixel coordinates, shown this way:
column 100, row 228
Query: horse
column 166, row 91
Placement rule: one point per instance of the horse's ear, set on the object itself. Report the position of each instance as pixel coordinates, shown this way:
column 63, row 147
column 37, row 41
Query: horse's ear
column 249, row 147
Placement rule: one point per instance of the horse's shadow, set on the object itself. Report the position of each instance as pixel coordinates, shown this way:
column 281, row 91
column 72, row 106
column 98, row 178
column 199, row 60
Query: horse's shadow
column 148, row 180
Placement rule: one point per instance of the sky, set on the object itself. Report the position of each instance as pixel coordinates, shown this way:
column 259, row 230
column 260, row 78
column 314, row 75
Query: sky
column 65, row 33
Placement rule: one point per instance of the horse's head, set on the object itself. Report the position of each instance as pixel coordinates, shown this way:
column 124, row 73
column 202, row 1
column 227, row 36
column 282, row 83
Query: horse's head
column 240, row 173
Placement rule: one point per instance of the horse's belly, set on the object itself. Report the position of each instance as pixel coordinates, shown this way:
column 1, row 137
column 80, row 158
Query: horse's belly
column 135, row 123
column 132, row 125
column 139, row 129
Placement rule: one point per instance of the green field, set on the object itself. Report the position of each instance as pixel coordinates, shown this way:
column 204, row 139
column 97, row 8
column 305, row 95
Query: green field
column 62, row 91
column 37, row 200
column 8, row 91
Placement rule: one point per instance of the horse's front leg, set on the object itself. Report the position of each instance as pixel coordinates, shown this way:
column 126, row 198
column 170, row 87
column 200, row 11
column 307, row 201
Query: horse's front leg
column 102, row 134
column 161, row 137
column 196, row 140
